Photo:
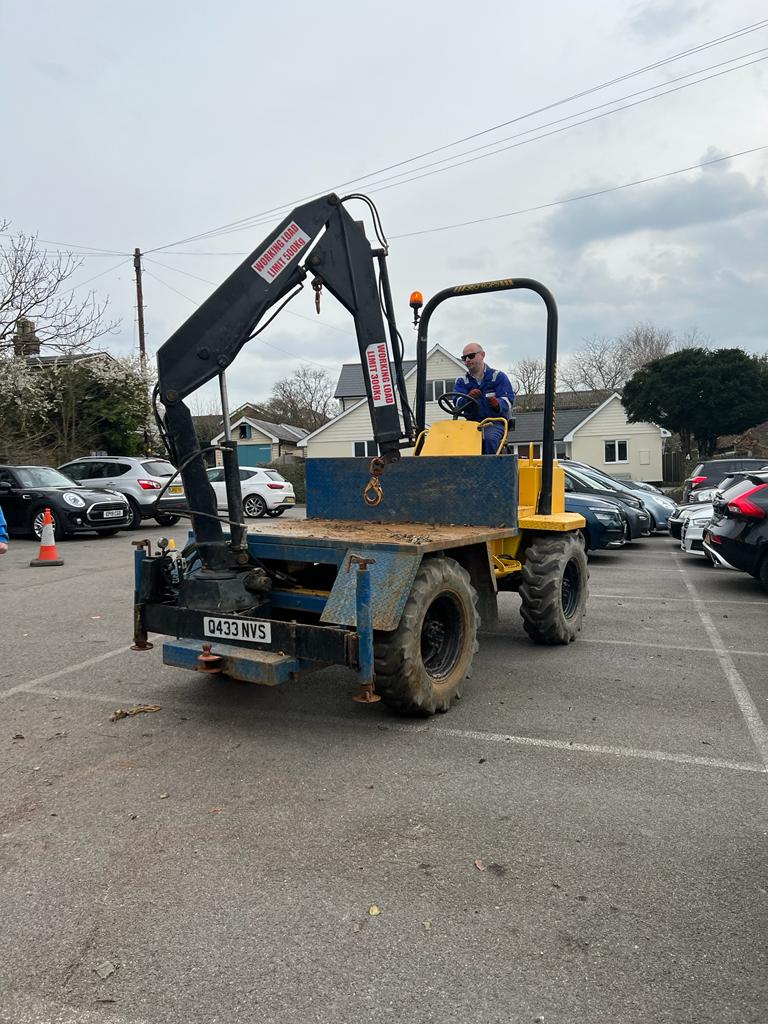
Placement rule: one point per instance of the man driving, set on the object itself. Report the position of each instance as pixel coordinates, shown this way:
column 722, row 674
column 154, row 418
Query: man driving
column 492, row 393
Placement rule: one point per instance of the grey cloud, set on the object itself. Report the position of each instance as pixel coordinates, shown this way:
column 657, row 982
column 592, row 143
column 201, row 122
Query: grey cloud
column 715, row 194
column 659, row 19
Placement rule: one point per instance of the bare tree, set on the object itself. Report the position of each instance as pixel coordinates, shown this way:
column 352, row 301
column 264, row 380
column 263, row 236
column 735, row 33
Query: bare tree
column 597, row 366
column 528, row 376
column 305, row 399
column 32, row 288
column 605, row 364
column 642, row 344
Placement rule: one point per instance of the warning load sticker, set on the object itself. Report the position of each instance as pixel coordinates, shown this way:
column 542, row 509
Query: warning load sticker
column 377, row 360
column 280, row 253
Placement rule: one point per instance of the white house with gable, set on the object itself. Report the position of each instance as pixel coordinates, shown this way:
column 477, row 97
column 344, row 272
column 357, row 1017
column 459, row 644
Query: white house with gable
column 350, row 433
column 589, row 427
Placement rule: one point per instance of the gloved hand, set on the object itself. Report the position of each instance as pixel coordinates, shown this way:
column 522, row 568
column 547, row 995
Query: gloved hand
column 475, row 393
column 493, row 402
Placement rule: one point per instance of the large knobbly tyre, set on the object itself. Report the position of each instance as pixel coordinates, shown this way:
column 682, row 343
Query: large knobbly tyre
column 554, row 588
column 421, row 666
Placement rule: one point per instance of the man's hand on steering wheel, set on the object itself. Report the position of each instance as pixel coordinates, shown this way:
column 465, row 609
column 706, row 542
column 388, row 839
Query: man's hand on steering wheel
column 449, row 401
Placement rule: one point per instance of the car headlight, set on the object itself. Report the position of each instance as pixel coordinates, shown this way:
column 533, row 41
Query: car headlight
column 666, row 503
column 605, row 516
column 701, row 521
column 73, row 499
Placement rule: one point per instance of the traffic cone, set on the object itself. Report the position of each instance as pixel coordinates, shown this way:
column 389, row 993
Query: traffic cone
column 48, row 554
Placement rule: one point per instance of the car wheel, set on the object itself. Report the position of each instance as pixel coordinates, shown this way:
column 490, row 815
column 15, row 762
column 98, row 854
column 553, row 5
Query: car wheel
column 254, row 506
column 652, row 528
column 763, row 577
column 134, row 513
column 276, row 511
column 36, row 524
column 166, row 519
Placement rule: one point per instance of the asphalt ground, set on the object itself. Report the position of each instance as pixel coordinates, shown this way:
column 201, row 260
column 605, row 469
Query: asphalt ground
column 581, row 839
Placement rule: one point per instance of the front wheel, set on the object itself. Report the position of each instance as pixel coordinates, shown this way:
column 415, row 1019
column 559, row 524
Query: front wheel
column 254, row 506
column 554, row 588
column 421, row 666
column 36, row 524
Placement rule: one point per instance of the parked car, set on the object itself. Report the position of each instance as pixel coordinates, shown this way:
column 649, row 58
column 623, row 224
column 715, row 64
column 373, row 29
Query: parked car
column 659, row 506
column 26, row 492
column 265, row 491
column 738, row 535
column 712, row 472
column 140, row 480
column 606, row 523
column 702, row 506
column 694, row 526
column 638, row 519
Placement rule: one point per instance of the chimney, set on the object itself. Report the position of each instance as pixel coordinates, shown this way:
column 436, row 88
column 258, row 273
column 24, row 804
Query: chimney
column 26, row 342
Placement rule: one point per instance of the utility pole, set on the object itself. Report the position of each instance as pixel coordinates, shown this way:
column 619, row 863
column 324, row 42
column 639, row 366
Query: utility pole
column 142, row 345
column 140, row 306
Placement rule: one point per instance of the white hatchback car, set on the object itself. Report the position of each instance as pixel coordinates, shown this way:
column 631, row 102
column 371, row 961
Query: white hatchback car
column 265, row 491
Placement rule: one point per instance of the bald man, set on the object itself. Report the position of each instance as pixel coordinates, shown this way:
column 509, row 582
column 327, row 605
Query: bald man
column 492, row 391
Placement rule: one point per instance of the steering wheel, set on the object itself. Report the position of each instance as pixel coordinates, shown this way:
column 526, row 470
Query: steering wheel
column 448, row 402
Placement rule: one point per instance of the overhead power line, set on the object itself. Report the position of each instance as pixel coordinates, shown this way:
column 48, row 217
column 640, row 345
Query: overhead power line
column 433, row 168
column 586, row 195
column 195, row 302
column 719, row 40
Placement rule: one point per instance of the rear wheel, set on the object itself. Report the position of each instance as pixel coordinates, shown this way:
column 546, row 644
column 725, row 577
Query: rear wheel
column 134, row 514
column 254, row 506
column 421, row 666
column 554, row 588
column 166, row 519
column 763, row 577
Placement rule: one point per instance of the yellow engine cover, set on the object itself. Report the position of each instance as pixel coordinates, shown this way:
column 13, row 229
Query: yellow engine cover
column 453, row 437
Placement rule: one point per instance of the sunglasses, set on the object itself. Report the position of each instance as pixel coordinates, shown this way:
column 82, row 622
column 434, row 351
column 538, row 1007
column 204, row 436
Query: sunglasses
column 470, row 355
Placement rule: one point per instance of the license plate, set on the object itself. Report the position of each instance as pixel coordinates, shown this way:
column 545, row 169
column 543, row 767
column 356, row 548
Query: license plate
column 113, row 513
column 289, row 501
column 175, row 489
column 255, row 630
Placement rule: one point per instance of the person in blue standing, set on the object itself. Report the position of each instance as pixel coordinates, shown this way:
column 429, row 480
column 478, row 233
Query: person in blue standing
column 3, row 533
column 492, row 391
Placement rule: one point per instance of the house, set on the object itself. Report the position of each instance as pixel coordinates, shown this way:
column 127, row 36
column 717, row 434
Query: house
column 261, row 442
column 350, row 433
column 590, row 426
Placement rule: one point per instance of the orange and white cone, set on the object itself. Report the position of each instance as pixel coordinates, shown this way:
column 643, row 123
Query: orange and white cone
column 48, row 554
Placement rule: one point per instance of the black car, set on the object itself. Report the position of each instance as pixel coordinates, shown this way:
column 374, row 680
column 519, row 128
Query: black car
column 713, row 472
column 26, row 492
column 606, row 521
column 738, row 535
column 638, row 519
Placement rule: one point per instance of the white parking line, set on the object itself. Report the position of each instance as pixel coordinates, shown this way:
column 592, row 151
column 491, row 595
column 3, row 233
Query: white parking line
column 668, row 647
column 739, row 689
column 32, row 683
column 432, row 731
column 659, row 599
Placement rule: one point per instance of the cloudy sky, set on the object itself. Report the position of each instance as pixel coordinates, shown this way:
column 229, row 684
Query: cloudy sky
column 147, row 124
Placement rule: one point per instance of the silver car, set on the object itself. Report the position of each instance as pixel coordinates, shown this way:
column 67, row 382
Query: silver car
column 140, row 480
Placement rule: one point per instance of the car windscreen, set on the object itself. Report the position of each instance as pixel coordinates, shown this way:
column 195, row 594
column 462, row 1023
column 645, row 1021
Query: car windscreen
column 742, row 487
column 43, row 476
column 159, row 467
column 589, row 481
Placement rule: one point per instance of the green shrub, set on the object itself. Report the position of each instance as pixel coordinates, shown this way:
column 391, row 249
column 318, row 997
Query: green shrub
column 296, row 473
